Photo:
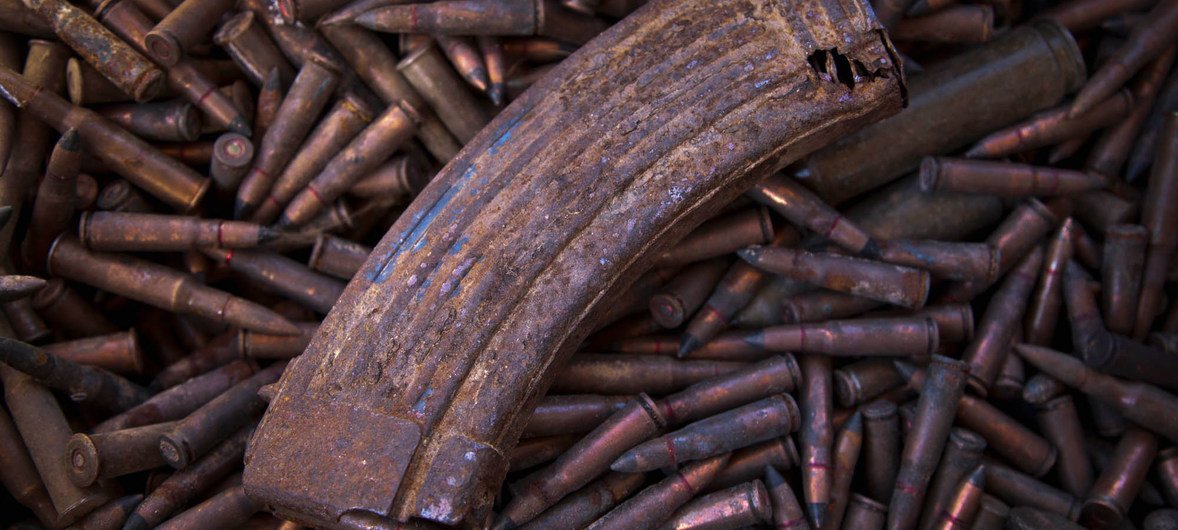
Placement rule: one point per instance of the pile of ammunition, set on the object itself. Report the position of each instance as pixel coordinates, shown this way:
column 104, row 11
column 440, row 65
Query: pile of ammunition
column 189, row 185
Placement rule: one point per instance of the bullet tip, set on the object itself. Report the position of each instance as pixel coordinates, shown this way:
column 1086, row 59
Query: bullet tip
column 687, row 345
column 977, row 151
column 267, row 234
column 626, row 463
column 285, row 224
column 503, row 523
column 871, row 250
column 5, row 215
column 136, row 522
column 497, row 93
column 70, row 141
column 817, row 513
column 239, row 126
column 750, row 254
column 242, row 209
column 773, row 477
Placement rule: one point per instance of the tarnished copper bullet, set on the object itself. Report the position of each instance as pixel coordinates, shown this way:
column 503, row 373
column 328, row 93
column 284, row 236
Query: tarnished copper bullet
column 129, row 22
column 732, row 293
column 69, row 313
column 16, row 286
column 1051, row 127
column 232, row 154
column 141, row 232
column 1110, row 353
column 1034, row 518
column 967, row 24
column 266, row 346
column 656, row 503
column 948, row 260
column 230, row 508
column 720, row 236
column 1060, row 424
column 1161, row 219
column 85, row 384
column 493, row 53
column 1009, row 383
column 99, row 47
column 246, row 42
column 400, row 176
column 1005, row 436
column 847, row 446
column 755, row 422
column 630, row 374
column 865, row 380
column 159, row 286
column 956, row 92
column 865, row 513
column 582, row 507
column 963, row 507
column 337, row 257
column 346, row 118
column 372, row 61
column 185, row 27
column 810, row 305
column 1087, row 14
column 723, row 392
column 531, row 452
column 184, row 485
column 503, row 17
column 19, row 475
column 45, row 431
column 221, row 350
column 364, row 153
column 167, row 121
column 1003, row 316
column 25, row 322
column 881, row 432
column 1111, row 150
column 307, row 97
column 1167, row 473
column 1145, row 42
column 1026, row 225
column 465, row 57
column 571, row 414
column 749, row 463
column 738, row 506
column 118, row 352
column 963, row 453
column 168, row 180
column 1003, row 179
column 890, row 11
column 111, row 515
column 817, row 435
column 427, row 71
column 1019, row 489
column 893, row 284
column 1114, row 490
column 56, row 197
column 179, row 401
column 801, row 207
column 587, row 459
column 201, row 431
column 924, row 443
column 991, row 515
column 115, row 453
column 1139, row 402
column 787, row 513
column 684, row 294
column 1043, row 311
column 1121, row 270
column 122, row 196
column 283, row 275
column 916, row 337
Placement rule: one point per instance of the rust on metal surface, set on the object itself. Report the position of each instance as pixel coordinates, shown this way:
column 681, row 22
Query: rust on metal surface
column 431, row 419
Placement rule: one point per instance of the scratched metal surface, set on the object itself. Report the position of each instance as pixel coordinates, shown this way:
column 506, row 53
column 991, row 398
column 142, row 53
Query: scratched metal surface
column 409, row 399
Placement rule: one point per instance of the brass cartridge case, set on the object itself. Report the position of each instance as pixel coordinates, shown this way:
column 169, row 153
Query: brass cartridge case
column 121, row 196
column 720, row 236
column 739, row 506
column 179, row 401
column 881, row 451
column 1019, row 489
column 1115, row 488
column 907, row 336
column 283, row 275
column 1003, row 179
column 963, row 454
column 571, row 414
column 656, row 503
column 85, row 384
column 1060, row 424
column 267, row 346
column 1023, row 448
column 865, row 513
column 144, row 232
column 750, row 462
column 903, row 286
column 167, row 121
column 118, row 352
column 187, row 25
column 1052, row 127
column 246, row 42
column 531, row 452
column 115, row 453
column 337, row 257
column 991, row 515
column 230, row 508
column 862, row 381
column 587, row 504
column 159, row 286
column 961, row 24
column 946, row 260
column 683, row 295
column 232, row 155
column 45, row 431
column 1121, row 270
column 631, row 374
column 399, row 177
column 26, row 324
column 428, row 72
column 1088, row 14
column 801, row 207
